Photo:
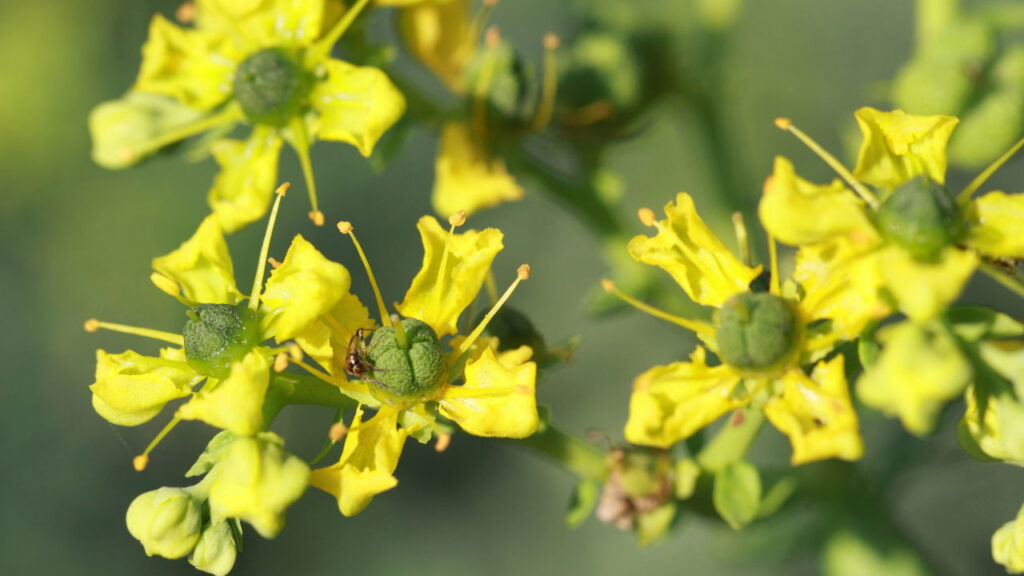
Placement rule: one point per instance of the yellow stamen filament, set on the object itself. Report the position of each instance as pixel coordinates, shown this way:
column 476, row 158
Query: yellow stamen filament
column 692, row 325
column 261, row 264
column 301, row 147
column 443, row 442
column 647, row 217
column 92, row 325
column 480, row 20
column 347, row 229
column 742, row 238
column 786, row 125
column 987, row 173
column 143, row 458
column 773, row 258
column 323, row 46
column 456, row 220
column 549, row 85
column 522, row 273
column 483, row 85
column 337, row 432
column 491, row 287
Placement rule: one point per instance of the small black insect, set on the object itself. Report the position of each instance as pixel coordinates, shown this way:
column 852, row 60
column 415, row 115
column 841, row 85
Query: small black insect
column 356, row 363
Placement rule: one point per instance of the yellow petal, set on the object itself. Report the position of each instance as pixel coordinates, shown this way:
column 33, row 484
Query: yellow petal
column 670, row 403
column 305, row 286
column 357, row 104
column 368, row 461
column 997, row 220
column 816, row 414
column 467, row 178
column 242, row 190
column 919, row 370
column 440, row 36
column 923, row 290
column 327, row 341
column 127, row 130
column 257, row 481
column 202, row 267
column 275, row 23
column 697, row 260
column 898, row 146
column 841, row 282
column 188, row 65
column 498, row 398
column 437, row 296
column 235, row 403
column 1008, row 545
column 130, row 389
column 796, row 211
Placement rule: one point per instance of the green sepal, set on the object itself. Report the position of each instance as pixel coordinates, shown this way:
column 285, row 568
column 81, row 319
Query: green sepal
column 737, row 493
column 868, row 348
column 652, row 526
column 584, row 499
column 687, row 472
column 777, row 496
column 212, row 454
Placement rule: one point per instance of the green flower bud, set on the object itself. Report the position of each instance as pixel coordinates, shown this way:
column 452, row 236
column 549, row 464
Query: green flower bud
column 270, row 86
column 511, row 82
column 405, row 373
column 167, row 521
column 756, row 331
column 921, row 216
column 216, row 335
column 600, row 68
column 513, row 329
column 216, row 550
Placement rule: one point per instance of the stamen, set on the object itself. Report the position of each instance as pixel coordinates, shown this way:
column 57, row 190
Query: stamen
column 444, row 440
column 261, row 264
column 142, row 460
column 695, row 326
column 773, row 258
column 647, row 217
column 786, row 125
column 301, row 147
column 294, row 352
column 93, row 325
column 456, row 220
column 186, row 13
column 323, row 46
column 483, row 85
column 549, row 85
column 480, row 19
column 280, row 362
column 168, row 286
column 275, row 264
column 347, row 229
column 742, row 238
column 337, row 432
column 522, row 273
column 987, row 173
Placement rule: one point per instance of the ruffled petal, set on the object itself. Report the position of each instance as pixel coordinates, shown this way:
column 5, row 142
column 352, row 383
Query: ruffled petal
column 130, row 389
column 437, row 296
column 242, row 190
column 467, row 178
column 201, row 267
column 816, row 414
column 498, row 398
column 898, row 146
column 670, row 403
column 357, row 104
column 923, row 290
column 194, row 67
column 694, row 257
column 440, row 36
column 305, row 286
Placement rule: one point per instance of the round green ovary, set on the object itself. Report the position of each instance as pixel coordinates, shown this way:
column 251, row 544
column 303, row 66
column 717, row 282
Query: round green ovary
column 216, row 335
column 270, row 86
column 406, row 373
column 920, row 216
column 756, row 332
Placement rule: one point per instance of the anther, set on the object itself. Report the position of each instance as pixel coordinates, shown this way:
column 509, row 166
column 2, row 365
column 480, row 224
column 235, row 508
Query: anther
column 523, row 272
column 647, row 216
column 294, row 352
column 92, row 325
column 165, row 285
column 282, row 190
column 337, row 432
column 457, row 219
column 783, row 123
column 443, row 442
column 317, row 217
column 490, row 3
column 344, row 227
column 186, row 13
column 552, row 41
column 275, row 264
column 140, row 462
column 607, row 285
column 280, row 362
column 492, row 37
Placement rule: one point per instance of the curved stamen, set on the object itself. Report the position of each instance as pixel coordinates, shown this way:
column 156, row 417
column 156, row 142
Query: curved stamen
column 786, row 125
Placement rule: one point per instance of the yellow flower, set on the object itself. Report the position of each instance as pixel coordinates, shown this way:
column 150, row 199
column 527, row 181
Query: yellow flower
column 486, row 392
column 262, row 62
column 467, row 177
column 893, row 214
column 762, row 339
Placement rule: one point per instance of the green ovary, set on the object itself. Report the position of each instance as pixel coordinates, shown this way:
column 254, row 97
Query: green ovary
column 270, row 87
column 410, row 373
column 920, row 216
column 756, row 332
column 217, row 335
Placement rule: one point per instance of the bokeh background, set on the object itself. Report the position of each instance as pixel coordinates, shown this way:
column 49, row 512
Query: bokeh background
column 76, row 242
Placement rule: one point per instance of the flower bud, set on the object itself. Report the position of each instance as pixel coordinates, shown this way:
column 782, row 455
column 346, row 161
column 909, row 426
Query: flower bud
column 216, row 550
column 167, row 521
column 638, row 494
column 270, row 86
column 511, row 83
column 216, row 335
column 756, row 331
column 405, row 373
column 600, row 70
column 921, row 216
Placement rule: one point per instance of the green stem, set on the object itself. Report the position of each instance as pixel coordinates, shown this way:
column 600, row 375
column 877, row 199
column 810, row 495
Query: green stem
column 733, row 440
column 572, row 454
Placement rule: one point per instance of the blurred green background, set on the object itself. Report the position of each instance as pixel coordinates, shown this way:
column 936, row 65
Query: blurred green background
column 77, row 241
